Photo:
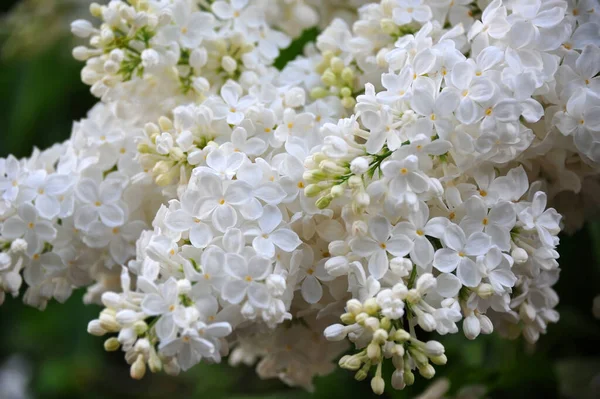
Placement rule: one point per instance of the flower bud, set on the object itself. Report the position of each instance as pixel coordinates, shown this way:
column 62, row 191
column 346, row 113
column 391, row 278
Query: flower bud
column 337, row 191
column 140, row 327
column 370, row 306
column 359, row 165
column 409, row 377
column 138, row 368
column 81, row 53
column 184, row 286
column 348, row 102
column 329, row 78
column 427, row 322
column 380, row 336
column 401, row 266
column 360, row 375
column 150, row 58
column 198, row 58
column 398, row 380
column 229, row 64
column 427, row 371
column 18, row 246
column 96, row 10
column 487, row 327
column 350, row 363
column 485, row 290
column 348, row 75
column 345, row 92
column 126, row 317
column 200, row 84
column 95, row 328
column 471, row 327
column 361, row 318
column 434, row 348
column 319, row 92
column 5, row 261
column 112, row 344
column 388, row 26
column 426, row 282
column 324, row 201
column 111, row 300
column 354, row 306
column 312, row 190
column 374, row 352
column 439, row 360
column 386, row 324
column 337, row 266
column 519, row 255
column 377, row 385
column 347, row 318
column 154, row 362
column 295, row 97
column 335, row 332
column 276, row 284
column 527, row 313
column 82, row 28
column 371, row 322
column 172, row 368
column 142, row 345
column 401, row 336
column 336, row 64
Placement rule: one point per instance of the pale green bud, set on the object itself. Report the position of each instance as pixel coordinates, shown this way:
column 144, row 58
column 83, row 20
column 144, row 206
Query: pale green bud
column 401, row 336
column 348, row 318
column 348, row 75
column 409, row 377
column 319, row 92
column 380, row 336
column 140, row 327
column 439, row 360
column 165, row 123
column 348, row 102
column 418, row 356
column 371, row 306
column 360, row 375
column 386, row 324
column 96, row 10
column 144, row 148
column 389, row 27
column 337, row 65
column 337, row 191
column 361, row 318
column 312, row 190
column 346, row 92
column 329, row 78
column 112, row 344
column 350, row 362
column 324, row 201
column 354, row 306
column 162, row 167
column 427, row 371
column 332, row 168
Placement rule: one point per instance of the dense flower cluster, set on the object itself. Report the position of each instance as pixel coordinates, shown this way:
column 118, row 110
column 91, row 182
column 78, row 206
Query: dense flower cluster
column 393, row 179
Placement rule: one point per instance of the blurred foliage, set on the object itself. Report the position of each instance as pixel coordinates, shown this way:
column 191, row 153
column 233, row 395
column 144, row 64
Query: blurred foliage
column 41, row 95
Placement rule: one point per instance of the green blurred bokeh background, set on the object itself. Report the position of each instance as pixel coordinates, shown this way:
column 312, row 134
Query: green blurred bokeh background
column 50, row 354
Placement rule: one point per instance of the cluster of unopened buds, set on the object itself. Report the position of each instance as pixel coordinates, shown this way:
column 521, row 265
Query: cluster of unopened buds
column 397, row 176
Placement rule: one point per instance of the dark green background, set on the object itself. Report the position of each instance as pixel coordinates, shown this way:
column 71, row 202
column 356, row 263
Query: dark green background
column 40, row 97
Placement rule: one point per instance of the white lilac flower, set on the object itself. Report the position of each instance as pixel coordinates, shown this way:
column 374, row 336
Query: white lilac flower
column 251, row 208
